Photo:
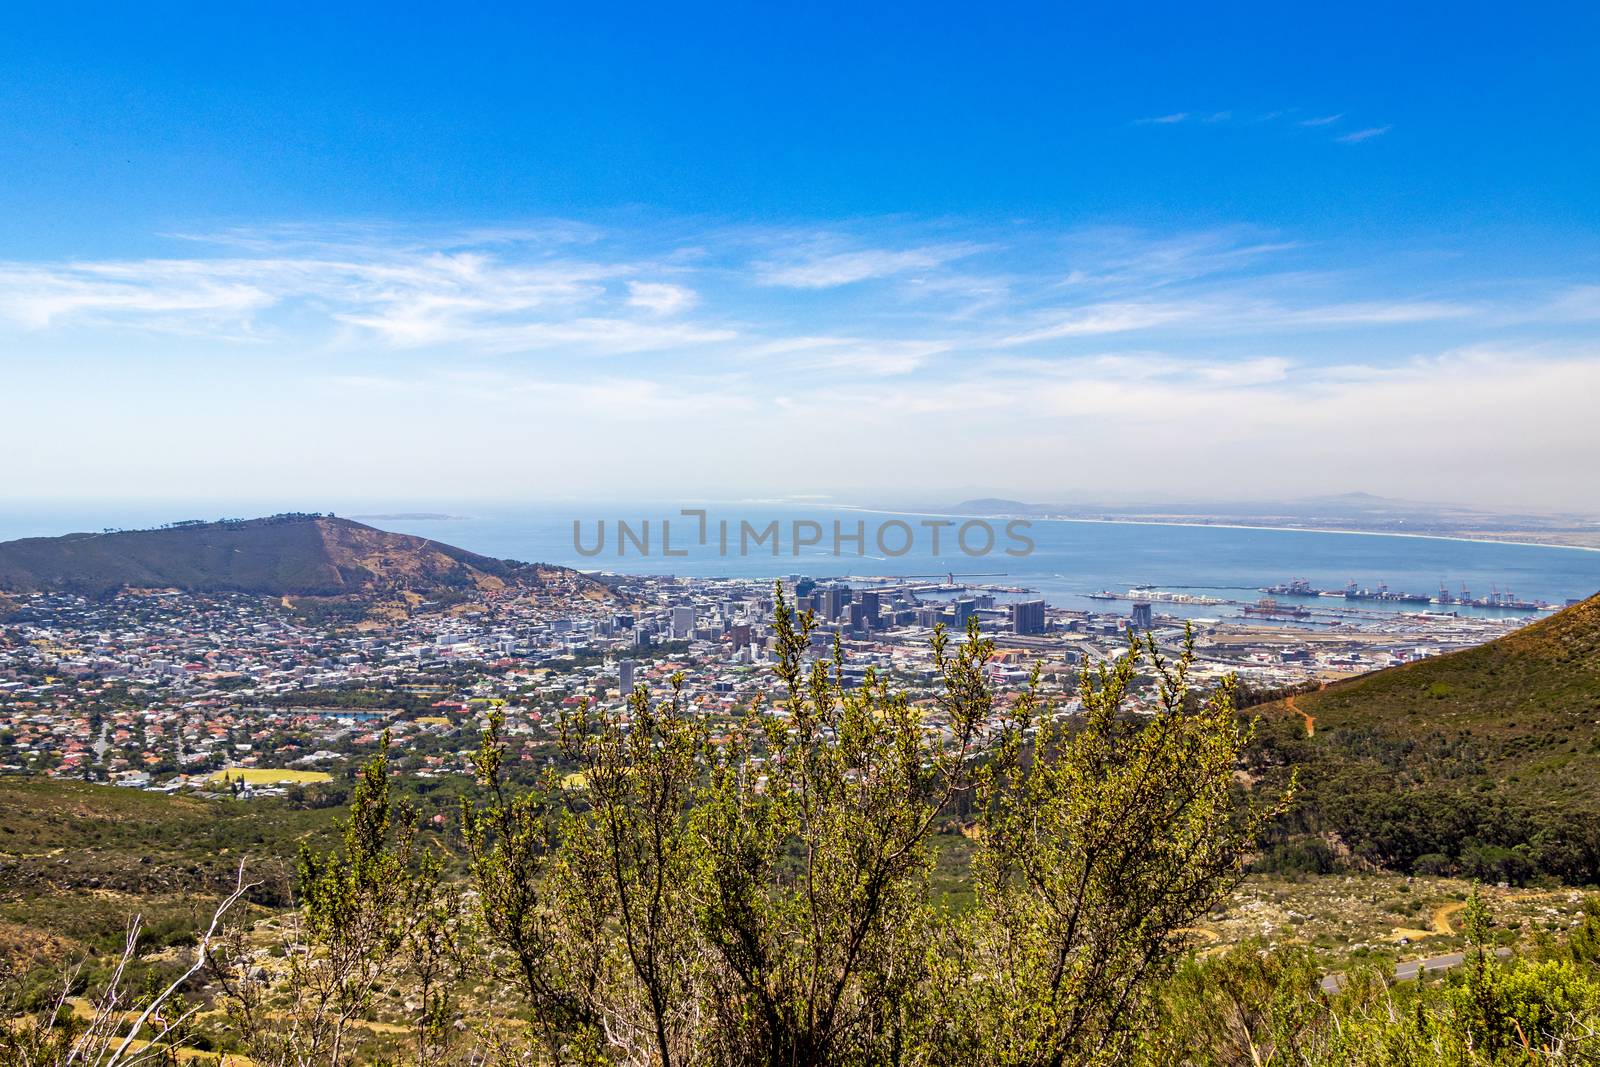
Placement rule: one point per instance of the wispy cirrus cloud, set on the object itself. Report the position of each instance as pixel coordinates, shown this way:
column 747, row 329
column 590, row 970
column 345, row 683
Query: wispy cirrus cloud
column 1177, row 117
column 40, row 296
column 1579, row 303
column 1127, row 258
column 406, row 295
column 1279, row 117
column 1232, row 315
column 826, row 266
column 1357, row 136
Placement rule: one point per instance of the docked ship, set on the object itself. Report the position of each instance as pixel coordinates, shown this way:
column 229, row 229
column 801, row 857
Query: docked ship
column 1504, row 601
column 1383, row 593
column 1297, row 587
column 1267, row 608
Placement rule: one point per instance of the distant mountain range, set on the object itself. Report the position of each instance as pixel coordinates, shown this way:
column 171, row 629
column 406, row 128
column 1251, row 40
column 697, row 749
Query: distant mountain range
column 296, row 555
column 1361, row 512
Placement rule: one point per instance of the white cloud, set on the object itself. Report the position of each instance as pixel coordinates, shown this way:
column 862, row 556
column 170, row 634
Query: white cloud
column 825, row 268
column 1258, row 371
column 1314, row 122
column 1225, row 315
column 1580, row 303
column 851, row 355
column 39, row 297
column 1364, row 135
column 1099, row 319
column 660, row 297
column 408, row 297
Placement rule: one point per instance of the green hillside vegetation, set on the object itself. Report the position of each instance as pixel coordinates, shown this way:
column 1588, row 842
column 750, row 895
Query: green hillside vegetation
column 296, row 555
column 1253, row 1005
column 1483, row 762
column 70, row 835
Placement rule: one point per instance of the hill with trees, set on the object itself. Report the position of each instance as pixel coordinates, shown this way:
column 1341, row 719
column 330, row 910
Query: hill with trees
column 1481, row 762
column 291, row 555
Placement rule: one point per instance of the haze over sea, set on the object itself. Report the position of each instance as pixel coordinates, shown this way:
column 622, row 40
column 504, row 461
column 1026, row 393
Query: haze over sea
column 1069, row 559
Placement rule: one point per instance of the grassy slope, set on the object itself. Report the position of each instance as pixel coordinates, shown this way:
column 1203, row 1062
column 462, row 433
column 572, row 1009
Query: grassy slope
column 58, row 835
column 77, row 860
column 1524, row 709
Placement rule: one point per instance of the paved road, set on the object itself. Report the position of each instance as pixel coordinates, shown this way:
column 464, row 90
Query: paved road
column 1408, row 970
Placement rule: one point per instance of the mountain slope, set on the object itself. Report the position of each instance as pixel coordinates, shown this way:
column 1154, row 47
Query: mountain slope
column 1531, row 693
column 286, row 555
column 1486, row 760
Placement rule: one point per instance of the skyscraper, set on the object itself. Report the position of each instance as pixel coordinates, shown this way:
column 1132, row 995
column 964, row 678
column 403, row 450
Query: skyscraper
column 682, row 620
column 1143, row 618
column 625, row 680
column 870, row 608
column 1027, row 617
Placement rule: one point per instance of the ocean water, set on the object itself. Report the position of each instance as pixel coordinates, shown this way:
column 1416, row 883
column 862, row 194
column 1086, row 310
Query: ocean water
column 1067, row 560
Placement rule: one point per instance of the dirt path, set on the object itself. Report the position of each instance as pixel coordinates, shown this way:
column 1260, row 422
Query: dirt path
column 1443, row 927
column 1311, row 723
column 1441, row 918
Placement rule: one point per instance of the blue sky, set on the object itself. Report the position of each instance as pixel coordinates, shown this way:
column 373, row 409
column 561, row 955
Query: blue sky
column 920, row 249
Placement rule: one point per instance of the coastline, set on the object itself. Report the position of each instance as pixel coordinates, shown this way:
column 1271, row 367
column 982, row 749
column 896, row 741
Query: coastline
column 1224, row 526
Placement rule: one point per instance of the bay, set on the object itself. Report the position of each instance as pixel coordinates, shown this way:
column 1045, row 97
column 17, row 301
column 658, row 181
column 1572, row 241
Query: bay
column 1068, row 559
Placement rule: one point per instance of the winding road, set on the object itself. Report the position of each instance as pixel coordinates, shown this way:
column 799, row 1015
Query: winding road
column 1410, row 970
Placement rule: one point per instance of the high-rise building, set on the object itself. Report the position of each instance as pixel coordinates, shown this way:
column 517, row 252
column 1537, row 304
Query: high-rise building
column 1143, row 617
column 625, row 680
column 682, row 621
column 833, row 601
column 1027, row 617
column 870, row 607
column 963, row 610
